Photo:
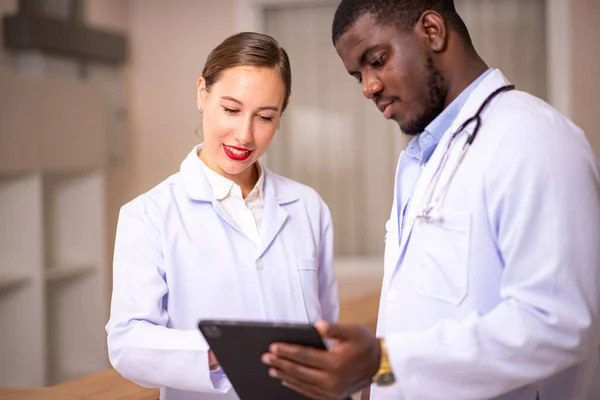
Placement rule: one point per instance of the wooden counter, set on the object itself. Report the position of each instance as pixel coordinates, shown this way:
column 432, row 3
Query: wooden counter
column 107, row 385
column 359, row 288
column 34, row 394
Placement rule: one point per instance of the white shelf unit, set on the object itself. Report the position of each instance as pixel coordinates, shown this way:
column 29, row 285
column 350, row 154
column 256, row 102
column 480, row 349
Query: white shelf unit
column 53, row 269
column 52, row 277
column 75, row 275
column 22, row 327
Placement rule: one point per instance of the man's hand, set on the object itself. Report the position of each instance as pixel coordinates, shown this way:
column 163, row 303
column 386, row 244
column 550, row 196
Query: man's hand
column 213, row 364
column 366, row 393
column 326, row 375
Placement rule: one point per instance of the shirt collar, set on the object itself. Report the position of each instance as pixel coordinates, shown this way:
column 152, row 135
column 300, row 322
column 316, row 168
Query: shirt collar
column 422, row 146
column 222, row 187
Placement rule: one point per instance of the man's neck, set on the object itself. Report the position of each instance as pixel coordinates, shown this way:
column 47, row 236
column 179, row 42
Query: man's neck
column 462, row 75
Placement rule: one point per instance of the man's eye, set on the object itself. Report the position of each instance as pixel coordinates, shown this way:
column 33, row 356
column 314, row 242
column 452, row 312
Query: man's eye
column 378, row 62
column 266, row 119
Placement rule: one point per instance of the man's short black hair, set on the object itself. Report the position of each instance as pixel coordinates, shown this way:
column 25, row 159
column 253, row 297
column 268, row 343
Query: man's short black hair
column 403, row 14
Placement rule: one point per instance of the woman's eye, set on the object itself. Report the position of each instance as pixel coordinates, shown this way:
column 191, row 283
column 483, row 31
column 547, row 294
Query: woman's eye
column 230, row 110
column 266, row 119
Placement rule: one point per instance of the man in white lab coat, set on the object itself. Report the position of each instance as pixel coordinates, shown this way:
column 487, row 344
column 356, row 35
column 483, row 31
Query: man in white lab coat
column 492, row 261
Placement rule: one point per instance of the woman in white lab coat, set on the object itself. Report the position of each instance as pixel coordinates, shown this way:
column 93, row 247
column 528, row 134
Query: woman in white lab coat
column 223, row 238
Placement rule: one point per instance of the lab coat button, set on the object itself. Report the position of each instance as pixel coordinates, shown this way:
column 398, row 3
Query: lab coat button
column 259, row 264
column 390, row 296
column 390, row 225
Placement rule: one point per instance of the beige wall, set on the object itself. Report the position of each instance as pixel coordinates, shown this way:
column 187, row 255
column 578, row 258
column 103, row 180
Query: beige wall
column 170, row 43
column 585, row 56
column 115, row 15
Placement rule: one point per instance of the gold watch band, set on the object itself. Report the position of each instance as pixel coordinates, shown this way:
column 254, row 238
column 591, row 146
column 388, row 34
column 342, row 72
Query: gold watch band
column 385, row 375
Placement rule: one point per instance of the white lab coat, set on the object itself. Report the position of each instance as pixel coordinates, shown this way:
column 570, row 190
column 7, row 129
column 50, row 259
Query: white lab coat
column 501, row 299
column 180, row 258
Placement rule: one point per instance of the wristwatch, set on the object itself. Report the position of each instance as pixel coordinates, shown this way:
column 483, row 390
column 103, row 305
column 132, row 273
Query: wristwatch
column 385, row 375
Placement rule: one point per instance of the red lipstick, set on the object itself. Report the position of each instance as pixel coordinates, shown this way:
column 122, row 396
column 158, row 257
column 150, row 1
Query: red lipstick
column 236, row 153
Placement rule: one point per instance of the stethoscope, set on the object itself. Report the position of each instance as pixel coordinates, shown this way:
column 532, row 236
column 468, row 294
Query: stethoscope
column 432, row 207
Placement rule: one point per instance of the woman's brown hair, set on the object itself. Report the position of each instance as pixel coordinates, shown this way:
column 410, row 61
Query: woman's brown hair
column 249, row 49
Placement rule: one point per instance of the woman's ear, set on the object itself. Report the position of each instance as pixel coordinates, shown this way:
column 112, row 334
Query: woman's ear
column 285, row 105
column 201, row 93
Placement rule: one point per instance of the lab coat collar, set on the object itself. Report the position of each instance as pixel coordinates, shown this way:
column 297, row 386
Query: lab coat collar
column 493, row 81
column 276, row 190
column 198, row 188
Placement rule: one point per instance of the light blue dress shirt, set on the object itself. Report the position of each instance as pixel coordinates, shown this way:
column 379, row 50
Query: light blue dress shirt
column 180, row 258
column 420, row 148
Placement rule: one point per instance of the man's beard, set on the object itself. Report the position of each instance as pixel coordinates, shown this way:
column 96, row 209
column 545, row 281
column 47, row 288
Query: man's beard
column 435, row 100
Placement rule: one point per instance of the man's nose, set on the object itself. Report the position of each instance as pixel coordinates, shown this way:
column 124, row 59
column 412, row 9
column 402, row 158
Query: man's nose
column 371, row 86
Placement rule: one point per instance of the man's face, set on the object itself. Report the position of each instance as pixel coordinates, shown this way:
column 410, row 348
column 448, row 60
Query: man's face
column 396, row 70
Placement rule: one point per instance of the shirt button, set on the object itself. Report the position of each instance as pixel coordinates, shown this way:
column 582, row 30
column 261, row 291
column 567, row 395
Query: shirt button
column 390, row 296
column 259, row 264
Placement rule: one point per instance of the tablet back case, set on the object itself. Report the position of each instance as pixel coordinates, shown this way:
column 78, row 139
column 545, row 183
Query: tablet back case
column 239, row 346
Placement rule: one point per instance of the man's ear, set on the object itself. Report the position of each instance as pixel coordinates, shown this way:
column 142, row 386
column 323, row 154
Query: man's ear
column 434, row 27
column 201, row 93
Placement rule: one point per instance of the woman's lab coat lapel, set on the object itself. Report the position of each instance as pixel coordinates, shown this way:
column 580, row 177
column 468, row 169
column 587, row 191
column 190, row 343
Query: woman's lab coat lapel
column 275, row 215
column 275, row 197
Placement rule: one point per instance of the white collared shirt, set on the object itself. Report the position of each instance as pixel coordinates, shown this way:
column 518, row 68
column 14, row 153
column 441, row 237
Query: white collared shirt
column 247, row 213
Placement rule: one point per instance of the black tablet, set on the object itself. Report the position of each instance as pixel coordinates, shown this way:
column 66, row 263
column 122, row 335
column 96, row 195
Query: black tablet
column 239, row 346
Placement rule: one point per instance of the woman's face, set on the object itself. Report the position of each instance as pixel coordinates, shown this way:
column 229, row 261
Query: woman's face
column 241, row 113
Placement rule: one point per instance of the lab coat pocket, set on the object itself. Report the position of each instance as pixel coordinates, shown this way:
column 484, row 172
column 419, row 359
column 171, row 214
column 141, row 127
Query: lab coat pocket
column 441, row 257
column 309, row 281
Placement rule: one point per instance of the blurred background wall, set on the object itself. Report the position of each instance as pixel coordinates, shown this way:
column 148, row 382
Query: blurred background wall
column 79, row 138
